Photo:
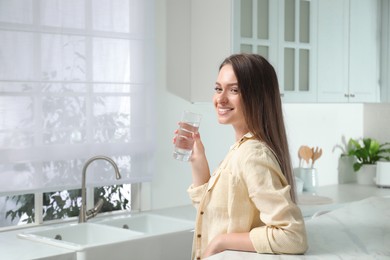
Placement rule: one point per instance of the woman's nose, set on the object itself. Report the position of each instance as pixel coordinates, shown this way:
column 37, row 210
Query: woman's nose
column 222, row 98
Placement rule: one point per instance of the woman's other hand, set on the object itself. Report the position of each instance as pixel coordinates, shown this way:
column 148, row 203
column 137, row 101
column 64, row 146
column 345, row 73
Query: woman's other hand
column 230, row 241
column 199, row 164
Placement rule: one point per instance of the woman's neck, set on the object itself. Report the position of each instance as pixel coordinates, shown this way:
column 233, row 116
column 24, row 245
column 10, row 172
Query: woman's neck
column 240, row 132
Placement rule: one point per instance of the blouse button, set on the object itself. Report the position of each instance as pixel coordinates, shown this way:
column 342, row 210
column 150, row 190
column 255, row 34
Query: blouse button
column 199, row 235
column 202, row 212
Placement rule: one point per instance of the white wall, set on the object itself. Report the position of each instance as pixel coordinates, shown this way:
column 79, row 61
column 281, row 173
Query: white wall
column 322, row 125
column 377, row 121
column 325, row 126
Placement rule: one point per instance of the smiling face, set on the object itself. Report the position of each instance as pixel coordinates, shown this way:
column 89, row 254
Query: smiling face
column 228, row 102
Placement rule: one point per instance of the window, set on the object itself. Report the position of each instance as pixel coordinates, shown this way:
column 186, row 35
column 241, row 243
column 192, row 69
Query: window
column 73, row 84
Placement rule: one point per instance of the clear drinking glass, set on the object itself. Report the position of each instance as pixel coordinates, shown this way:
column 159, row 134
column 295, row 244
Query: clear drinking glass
column 189, row 124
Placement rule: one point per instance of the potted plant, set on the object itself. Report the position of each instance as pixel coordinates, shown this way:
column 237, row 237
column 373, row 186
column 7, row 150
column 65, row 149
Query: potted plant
column 367, row 152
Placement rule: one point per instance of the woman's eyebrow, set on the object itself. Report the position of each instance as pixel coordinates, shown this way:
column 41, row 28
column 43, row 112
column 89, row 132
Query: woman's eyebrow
column 229, row 84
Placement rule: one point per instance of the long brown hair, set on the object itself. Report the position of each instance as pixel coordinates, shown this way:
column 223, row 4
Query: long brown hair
column 263, row 113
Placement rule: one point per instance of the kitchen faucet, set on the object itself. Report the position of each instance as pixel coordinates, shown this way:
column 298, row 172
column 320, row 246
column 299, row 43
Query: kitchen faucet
column 84, row 214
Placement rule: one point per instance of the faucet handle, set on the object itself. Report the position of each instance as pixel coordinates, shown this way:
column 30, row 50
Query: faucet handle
column 95, row 210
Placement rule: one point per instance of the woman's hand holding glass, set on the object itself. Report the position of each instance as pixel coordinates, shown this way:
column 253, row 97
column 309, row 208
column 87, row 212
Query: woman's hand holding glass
column 198, row 160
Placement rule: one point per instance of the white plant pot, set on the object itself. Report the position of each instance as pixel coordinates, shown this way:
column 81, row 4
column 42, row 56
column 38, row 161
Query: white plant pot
column 366, row 174
column 383, row 174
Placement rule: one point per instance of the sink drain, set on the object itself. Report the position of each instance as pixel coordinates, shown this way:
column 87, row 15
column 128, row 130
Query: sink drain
column 125, row 226
column 58, row 237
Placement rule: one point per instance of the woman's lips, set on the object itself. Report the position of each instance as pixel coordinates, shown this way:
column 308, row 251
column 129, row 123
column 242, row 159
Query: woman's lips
column 223, row 111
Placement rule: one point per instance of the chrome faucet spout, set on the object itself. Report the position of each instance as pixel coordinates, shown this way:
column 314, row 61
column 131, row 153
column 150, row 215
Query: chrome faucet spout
column 84, row 214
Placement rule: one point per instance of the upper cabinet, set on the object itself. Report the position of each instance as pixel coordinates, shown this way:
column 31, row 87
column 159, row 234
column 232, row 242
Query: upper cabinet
column 284, row 33
column 385, row 52
column 199, row 37
column 348, row 51
column 322, row 50
column 297, row 50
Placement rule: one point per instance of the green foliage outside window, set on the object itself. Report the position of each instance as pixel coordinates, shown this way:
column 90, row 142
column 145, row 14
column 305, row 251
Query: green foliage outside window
column 66, row 204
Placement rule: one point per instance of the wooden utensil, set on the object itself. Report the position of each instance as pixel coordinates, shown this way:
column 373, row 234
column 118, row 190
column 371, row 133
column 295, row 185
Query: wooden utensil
column 316, row 153
column 305, row 153
column 300, row 153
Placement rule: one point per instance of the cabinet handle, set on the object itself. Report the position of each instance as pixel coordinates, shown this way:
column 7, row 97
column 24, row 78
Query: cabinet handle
column 346, row 95
column 352, row 95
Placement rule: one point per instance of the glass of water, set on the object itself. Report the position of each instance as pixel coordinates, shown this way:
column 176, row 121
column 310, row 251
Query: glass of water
column 189, row 124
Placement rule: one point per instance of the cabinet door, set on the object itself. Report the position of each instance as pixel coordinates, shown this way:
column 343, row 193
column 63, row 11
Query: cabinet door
column 364, row 51
column 385, row 52
column 199, row 37
column 348, row 51
column 178, row 48
column 332, row 56
column 255, row 28
column 297, row 53
column 283, row 32
column 211, row 42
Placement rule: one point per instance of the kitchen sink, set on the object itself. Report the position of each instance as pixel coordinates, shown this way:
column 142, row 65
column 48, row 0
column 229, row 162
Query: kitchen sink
column 120, row 237
column 149, row 224
column 79, row 236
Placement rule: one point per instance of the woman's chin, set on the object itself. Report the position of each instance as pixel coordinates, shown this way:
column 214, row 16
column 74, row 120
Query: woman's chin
column 222, row 121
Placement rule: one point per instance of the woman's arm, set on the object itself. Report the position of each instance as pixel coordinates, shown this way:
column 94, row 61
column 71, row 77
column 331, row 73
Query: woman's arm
column 284, row 230
column 231, row 241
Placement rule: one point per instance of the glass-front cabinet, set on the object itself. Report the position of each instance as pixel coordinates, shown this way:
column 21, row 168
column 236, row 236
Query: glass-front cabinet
column 283, row 32
column 322, row 50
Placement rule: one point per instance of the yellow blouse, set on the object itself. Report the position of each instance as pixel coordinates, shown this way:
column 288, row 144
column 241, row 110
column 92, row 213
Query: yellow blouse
column 248, row 193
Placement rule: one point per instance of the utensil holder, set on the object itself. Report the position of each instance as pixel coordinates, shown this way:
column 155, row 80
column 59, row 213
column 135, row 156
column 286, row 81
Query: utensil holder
column 309, row 176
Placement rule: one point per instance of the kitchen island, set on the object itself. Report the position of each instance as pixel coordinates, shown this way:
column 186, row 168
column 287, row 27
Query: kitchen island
column 354, row 224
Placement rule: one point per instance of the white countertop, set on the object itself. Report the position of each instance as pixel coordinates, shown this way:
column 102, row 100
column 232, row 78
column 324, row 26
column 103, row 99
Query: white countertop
column 358, row 226
column 339, row 195
column 342, row 232
column 12, row 247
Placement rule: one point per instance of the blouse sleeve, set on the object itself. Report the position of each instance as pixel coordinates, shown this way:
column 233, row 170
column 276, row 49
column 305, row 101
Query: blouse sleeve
column 283, row 231
column 196, row 193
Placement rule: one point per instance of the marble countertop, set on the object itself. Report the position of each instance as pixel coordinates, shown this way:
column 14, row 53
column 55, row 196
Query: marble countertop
column 351, row 230
column 339, row 195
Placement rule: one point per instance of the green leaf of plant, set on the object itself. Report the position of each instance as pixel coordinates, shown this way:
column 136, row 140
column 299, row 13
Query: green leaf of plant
column 357, row 166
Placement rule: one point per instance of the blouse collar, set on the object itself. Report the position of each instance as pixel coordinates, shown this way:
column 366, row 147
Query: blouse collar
column 245, row 137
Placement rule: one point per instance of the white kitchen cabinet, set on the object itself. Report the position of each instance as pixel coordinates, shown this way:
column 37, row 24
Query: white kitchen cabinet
column 297, row 50
column 199, row 37
column 348, row 51
column 385, row 52
column 322, row 50
column 201, row 33
column 282, row 31
column 256, row 28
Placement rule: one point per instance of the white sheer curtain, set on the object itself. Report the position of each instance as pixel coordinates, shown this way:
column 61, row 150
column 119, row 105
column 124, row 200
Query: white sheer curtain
column 76, row 79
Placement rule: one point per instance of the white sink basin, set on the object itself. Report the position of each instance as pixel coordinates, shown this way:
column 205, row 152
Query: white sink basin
column 149, row 224
column 79, row 236
column 164, row 238
column 145, row 236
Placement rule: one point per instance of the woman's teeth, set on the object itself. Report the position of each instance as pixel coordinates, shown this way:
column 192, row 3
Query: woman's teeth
column 224, row 110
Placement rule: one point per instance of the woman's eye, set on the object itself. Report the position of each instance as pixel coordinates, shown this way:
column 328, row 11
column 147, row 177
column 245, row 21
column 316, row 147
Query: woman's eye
column 218, row 89
column 235, row 90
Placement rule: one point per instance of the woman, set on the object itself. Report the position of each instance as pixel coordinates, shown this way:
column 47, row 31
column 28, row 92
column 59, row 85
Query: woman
column 248, row 203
